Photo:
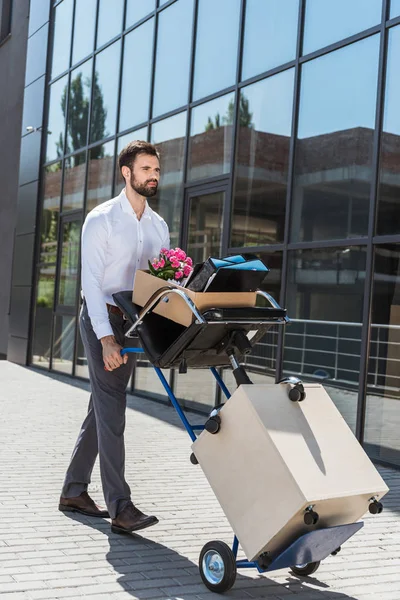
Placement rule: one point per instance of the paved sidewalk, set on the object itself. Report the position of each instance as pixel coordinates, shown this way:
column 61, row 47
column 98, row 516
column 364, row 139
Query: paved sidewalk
column 46, row 554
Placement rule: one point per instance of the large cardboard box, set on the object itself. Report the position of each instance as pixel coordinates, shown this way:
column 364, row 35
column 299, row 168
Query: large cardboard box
column 273, row 458
column 175, row 308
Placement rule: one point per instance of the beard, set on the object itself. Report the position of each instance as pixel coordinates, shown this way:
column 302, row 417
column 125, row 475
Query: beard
column 143, row 189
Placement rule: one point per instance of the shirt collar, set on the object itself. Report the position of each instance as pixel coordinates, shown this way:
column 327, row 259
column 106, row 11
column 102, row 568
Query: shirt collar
column 127, row 208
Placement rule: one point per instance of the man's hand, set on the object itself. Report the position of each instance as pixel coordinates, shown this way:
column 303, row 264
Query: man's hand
column 112, row 353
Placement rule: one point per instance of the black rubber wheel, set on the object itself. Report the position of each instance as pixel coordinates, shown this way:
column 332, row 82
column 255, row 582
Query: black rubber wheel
column 375, row 508
column 213, row 424
column 217, row 566
column 311, row 517
column 304, row 570
column 295, row 395
column 193, row 459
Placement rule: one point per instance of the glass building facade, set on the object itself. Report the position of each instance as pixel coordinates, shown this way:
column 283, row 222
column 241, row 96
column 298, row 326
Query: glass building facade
column 279, row 135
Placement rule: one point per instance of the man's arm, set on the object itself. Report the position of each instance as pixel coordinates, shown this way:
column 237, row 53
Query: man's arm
column 94, row 248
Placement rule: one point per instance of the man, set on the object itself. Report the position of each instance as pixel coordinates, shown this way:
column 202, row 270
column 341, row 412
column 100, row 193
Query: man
column 118, row 237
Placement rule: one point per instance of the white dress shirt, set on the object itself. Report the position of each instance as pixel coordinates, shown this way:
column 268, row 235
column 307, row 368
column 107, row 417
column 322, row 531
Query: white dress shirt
column 114, row 244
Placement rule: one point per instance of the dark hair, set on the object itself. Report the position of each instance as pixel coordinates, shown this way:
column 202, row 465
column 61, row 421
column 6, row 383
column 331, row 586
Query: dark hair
column 128, row 154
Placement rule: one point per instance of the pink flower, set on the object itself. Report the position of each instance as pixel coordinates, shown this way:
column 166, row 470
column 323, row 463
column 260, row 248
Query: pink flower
column 161, row 263
column 175, row 263
column 187, row 270
column 189, row 261
column 170, row 254
column 180, row 254
column 178, row 275
column 164, row 250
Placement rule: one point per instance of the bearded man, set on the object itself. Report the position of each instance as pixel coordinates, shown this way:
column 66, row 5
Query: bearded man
column 118, row 237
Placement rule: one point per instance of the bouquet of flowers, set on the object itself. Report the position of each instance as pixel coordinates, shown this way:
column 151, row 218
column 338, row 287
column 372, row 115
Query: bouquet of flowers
column 172, row 265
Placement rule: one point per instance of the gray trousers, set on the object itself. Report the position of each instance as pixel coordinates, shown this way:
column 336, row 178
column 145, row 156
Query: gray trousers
column 102, row 431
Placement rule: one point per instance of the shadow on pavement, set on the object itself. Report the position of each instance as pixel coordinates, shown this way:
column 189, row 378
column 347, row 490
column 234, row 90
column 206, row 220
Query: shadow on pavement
column 158, row 562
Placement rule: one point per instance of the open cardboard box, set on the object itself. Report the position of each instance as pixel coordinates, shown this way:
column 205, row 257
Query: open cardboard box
column 176, row 309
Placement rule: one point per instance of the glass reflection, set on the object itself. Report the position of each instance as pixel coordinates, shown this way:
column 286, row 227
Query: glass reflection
column 84, row 29
column 169, row 137
column 62, row 37
column 137, row 10
column 109, row 21
column 383, row 391
column 325, row 304
column 74, row 181
column 78, row 106
column 63, row 344
column 57, row 117
column 136, row 76
column 100, row 176
column 105, row 93
column 216, row 46
column 196, row 390
column 139, row 134
column 270, row 35
column 41, row 343
column 262, row 161
column 344, row 18
column 70, row 235
column 47, row 265
column 81, row 366
column 173, row 57
column 211, row 138
column 205, row 226
column 261, row 363
column 389, row 185
column 394, row 8
column 334, row 147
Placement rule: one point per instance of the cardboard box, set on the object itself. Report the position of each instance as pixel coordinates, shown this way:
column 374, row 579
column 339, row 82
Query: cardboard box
column 273, row 458
column 176, row 309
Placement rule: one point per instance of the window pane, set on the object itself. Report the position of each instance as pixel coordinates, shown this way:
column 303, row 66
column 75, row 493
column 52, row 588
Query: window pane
column 105, row 93
column 84, row 28
column 139, row 134
column 344, row 18
column 136, row 76
column 261, row 363
column 100, row 176
column 147, row 382
column 110, row 20
column 78, row 107
column 216, row 46
column 389, row 188
column 173, row 57
column 325, row 303
column 262, row 161
column 137, row 10
column 74, row 181
column 47, row 268
column 71, row 232
column 169, row 137
column 394, row 8
column 270, row 35
column 334, row 147
column 63, row 344
column 196, row 388
column 383, row 391
column 57, row 114
column 205, row 226
column 81, row 366
column 211, row 138
column 62, row 37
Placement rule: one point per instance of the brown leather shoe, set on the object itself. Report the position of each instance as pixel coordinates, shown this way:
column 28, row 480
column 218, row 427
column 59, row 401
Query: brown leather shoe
column 131, row 519
column 82, row 504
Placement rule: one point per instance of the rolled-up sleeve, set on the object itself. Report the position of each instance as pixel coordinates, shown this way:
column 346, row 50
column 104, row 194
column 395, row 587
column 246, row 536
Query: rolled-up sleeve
column 94, row 248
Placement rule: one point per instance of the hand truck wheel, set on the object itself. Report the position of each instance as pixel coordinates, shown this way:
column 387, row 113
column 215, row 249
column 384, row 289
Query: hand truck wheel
column 306, row 569
column 213, row 424
column 217, row 566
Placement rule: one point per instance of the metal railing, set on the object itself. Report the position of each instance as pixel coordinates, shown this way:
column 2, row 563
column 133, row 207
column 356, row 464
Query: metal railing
column 330, row 350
